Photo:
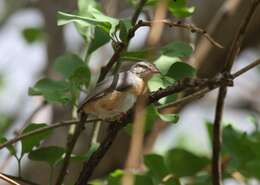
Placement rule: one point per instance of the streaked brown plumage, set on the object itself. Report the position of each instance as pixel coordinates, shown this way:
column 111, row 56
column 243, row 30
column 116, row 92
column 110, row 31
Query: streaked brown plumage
column 111, row 97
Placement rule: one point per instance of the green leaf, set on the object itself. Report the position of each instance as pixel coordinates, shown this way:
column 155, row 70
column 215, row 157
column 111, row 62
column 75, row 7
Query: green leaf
column 163, row 63
column 115, row 177
column 52, row 91
column 172, row 181
column 151, row 2
column 143, row 180
column 180, row 70
column 170, row 118
column 157, row 82
column 183, row 163
column 10, row 147
column 85, row 157
column 179, row 9
column 67, row 64
column 32, row 34
column 155, row 163
column 135, row 55
column 177, row 49
column 100, row 38
column 124, row 26
column 84, row 5
column 34, row 140
column 203, row 179
column 108, row 24
column 81, row 76
column 252, row 169
column 238, row 146
column 50, row 154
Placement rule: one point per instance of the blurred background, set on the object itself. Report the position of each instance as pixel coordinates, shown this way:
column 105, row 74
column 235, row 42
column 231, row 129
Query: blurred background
column 30, row 40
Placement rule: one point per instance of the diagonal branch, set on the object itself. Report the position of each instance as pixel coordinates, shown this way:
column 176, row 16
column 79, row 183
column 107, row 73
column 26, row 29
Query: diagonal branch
column 123, row 45
column 178, row 24
column 71, row 142
column 138, row 10
column 217, row 135
column 20, row 179
column 8, row 180
column 207, row 85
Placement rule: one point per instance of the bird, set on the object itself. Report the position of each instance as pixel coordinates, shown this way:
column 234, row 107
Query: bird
column 117, row 94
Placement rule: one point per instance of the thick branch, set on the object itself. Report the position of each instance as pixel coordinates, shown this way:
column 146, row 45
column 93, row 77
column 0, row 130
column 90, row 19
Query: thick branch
column 206, row 86
column 70, row 146
column 217, row 135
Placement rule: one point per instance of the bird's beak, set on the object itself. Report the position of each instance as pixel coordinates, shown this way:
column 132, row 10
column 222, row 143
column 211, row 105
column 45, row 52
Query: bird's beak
column 156, row 71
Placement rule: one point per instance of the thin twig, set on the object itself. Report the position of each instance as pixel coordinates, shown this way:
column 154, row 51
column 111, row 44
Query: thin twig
column 121, row 46
column 186, row 99
column 192, row 28
column 20, row 179
column 40, row 130
column 247, row 68
column 138, row 10
column 8, row 180
column 35, row 111
column 217, row 135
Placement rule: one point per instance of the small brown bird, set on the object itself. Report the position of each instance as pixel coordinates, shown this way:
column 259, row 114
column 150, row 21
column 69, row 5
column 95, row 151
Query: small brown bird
column 115, row 95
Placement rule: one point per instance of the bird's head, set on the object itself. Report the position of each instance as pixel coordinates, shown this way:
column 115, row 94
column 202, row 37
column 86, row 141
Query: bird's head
column 144, row 70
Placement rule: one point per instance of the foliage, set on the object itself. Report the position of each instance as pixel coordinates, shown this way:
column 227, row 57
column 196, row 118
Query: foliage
column 241, row 150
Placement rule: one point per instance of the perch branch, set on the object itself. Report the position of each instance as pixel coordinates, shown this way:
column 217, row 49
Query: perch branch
column 207, row 85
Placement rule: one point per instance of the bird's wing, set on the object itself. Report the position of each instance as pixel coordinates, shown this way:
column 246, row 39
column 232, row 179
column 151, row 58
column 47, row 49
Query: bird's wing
column 121, row 82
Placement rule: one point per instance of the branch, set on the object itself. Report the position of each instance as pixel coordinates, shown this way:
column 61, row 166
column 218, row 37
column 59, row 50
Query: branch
column 72, row 139
column 123, row 46
column 95, row 158
column 192, row 28
column 138, row 10
column 33, row 113
column 207, row 85
column 217, row 135
column 40, row 130
column 19, row 179
column 8, row 180
column 223, row 81
column 247, row 68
